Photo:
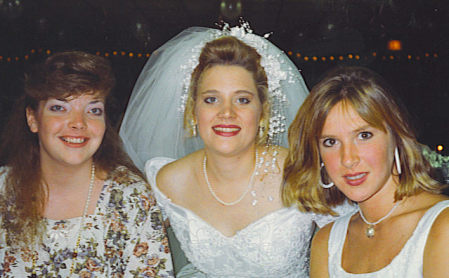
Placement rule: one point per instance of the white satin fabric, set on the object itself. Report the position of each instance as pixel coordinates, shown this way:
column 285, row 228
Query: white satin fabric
column 408, row 263
column 276, row 245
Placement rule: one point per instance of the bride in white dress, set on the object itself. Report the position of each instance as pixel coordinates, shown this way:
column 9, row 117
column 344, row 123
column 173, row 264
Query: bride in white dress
column 220, row 101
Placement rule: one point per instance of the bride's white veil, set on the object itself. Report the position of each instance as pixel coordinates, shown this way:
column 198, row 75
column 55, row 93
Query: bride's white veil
column 153, row 121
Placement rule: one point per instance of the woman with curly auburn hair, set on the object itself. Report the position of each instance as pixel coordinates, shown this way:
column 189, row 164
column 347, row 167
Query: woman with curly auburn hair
column 351, row 140
column 71, row 201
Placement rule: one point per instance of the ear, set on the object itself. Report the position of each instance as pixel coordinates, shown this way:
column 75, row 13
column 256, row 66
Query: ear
column 31, row 120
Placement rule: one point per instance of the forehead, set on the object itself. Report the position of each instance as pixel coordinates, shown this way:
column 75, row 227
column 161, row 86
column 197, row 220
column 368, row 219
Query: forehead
column 226, row 75
column 84, row 98
column 343, row 118
column 91, row 95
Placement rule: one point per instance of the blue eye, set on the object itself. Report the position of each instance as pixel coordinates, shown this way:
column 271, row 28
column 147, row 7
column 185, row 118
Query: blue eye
column 56, row 108
column 365, row 135
column 210, row 100
column 329, row 142
column 243, row 100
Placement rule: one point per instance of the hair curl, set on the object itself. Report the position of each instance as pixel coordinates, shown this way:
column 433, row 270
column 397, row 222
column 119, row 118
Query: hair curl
column 62, row 75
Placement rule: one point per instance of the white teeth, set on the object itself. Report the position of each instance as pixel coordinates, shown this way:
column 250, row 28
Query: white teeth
column 74, row 140
column 356, row 177
column 226, row 129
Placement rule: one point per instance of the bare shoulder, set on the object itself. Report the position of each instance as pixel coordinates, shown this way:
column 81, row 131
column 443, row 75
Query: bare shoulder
column 319, row 252
column 172, row 177
column 436, row 255
column 321, row 237
column 440, row 227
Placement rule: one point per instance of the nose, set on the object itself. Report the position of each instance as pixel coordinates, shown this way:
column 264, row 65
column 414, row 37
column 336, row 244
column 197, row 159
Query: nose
column 349, row 155
column 77, row 120
column 227, row 110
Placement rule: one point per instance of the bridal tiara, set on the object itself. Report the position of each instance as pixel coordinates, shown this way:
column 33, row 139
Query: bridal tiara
column 271, row 63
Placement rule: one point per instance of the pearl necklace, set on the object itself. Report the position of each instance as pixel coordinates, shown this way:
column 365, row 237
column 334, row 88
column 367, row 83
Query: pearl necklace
column 370, row 231
column 83, row 218
column 212, row 192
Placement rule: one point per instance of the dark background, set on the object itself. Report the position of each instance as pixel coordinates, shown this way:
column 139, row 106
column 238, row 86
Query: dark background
column 317, row 34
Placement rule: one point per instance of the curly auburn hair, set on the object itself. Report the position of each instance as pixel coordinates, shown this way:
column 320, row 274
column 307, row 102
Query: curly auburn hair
column 62, row 75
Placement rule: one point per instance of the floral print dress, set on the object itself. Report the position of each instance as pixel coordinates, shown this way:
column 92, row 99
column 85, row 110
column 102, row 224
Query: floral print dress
column 123, row 238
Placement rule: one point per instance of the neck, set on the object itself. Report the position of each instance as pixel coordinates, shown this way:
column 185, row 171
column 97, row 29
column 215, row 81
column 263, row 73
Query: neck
column 231, row 168
column 65, row 177
column 380, row 204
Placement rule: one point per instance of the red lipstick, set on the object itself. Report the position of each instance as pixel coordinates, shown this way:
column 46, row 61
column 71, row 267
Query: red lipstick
column 226, row 130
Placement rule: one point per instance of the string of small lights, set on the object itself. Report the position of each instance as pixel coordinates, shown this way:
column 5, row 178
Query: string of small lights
column 297, row 56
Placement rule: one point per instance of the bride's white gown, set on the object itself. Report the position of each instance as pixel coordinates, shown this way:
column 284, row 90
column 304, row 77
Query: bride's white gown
column 276, row 245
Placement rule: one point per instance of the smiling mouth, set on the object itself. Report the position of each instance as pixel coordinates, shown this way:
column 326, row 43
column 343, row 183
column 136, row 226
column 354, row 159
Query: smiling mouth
column 73, row 140
column 356, row 177
column 227, row 129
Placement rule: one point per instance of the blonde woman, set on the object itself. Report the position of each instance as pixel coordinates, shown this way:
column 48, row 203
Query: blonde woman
column 220, row 101
column 353, row 139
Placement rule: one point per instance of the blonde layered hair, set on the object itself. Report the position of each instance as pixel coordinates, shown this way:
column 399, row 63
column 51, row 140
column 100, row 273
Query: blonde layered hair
column 229, row 51
column 371, row 97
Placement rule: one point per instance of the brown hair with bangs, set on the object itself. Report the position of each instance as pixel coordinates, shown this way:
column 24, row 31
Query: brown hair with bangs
column 230, row 51
column 372, row 98
column 62, row 75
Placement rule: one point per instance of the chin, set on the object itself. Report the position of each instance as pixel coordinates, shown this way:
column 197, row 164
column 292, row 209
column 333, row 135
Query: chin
column 355, row 196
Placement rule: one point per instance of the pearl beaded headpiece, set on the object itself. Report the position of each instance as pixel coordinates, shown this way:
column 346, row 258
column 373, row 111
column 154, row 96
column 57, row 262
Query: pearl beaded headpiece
column 153, row 124
column 271, row 63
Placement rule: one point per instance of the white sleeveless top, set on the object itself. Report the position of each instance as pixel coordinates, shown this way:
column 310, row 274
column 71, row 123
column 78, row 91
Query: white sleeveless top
column 408, row 263
column 276, row 245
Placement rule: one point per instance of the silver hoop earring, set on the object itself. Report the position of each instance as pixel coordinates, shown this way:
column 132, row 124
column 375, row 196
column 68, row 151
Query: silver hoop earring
column 397, row 161
column 323, row 185
column 193, row 127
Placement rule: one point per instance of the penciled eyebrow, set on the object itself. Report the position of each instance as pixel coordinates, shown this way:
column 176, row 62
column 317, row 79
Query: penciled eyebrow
column 95, row 102
column 90, row 103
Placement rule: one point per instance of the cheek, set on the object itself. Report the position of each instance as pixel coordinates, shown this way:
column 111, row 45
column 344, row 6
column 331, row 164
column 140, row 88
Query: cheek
column 49, row 125
column 99, row 127
column 381, row 158
column 331, row 161
column 253, row 116
column 201, row 116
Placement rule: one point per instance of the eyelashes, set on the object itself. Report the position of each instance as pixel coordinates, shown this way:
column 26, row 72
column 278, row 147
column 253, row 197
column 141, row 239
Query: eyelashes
column 363, row 136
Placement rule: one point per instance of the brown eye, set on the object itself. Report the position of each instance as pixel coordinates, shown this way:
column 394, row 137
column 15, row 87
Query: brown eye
column 365, row 135
column 329, row 142
column 96, row 111
column 56, row 108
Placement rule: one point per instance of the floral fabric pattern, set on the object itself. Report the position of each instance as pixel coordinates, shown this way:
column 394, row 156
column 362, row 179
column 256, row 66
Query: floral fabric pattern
column 123, row 238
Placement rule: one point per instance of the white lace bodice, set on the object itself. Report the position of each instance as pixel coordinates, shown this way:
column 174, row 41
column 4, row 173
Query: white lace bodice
column 277, row 245
column 408, row 263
